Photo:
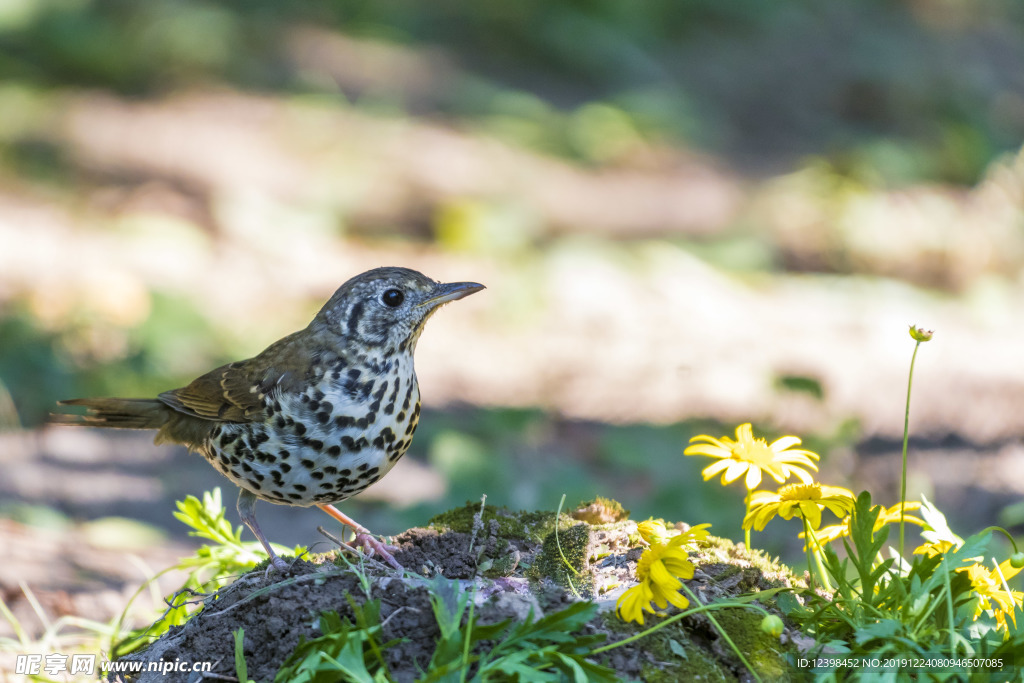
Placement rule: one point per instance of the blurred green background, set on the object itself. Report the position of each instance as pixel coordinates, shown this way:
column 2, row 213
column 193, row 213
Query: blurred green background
column 689, row 215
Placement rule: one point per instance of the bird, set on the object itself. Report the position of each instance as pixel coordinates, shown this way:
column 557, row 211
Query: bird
column 315, row 418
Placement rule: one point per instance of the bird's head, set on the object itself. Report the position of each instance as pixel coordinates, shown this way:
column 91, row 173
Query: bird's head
column 387, row 307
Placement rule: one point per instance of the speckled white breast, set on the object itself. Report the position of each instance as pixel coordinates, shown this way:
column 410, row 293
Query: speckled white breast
column 326, row 444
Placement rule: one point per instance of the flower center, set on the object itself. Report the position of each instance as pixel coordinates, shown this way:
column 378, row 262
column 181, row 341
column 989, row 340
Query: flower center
column 755, row 451
column 800, row 492
column 984, row 583
column 643, row 565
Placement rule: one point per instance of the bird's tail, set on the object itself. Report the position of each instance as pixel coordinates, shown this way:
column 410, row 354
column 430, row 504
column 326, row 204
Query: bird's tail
column 116, row 413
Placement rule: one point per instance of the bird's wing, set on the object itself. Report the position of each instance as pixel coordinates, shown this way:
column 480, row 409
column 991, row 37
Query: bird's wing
column 235, row 392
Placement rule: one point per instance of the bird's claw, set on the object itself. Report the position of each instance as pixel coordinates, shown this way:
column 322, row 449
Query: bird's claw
column 372, row 546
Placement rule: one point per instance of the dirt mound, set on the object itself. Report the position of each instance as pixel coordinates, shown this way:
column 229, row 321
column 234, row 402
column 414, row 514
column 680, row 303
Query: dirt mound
column 509, row 568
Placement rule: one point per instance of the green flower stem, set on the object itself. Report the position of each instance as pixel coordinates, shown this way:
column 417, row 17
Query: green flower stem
column 906, row 436
column 718, row 627
column 673, row 619
column 1005, row 533
column 807, row 551
column 465, row 642
column 746, row 530
column 696, row 610
column 949, row 608
column 818, row 553
column 558, row 518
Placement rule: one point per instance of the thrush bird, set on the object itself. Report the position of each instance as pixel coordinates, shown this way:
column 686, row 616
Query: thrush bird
column 315, row 418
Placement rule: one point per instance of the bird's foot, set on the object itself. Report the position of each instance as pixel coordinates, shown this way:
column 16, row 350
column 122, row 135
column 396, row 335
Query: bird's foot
column 278, row 564
column 372, row 546
column 364, row 539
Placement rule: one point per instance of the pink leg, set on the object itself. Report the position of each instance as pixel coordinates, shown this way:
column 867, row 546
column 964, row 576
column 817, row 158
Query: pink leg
column 363, row 537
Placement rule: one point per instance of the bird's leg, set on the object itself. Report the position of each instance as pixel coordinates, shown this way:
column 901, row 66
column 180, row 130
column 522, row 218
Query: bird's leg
column 364, row 538
column 247, row 511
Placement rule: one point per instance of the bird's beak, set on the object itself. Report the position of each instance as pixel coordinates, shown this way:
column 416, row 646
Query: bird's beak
column 451, row 291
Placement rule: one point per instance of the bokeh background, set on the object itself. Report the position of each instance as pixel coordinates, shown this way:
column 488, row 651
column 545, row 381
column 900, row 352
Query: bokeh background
column 689, row 215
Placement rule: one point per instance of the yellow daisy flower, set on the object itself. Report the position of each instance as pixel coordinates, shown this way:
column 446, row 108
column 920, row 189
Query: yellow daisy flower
column 934, row 549
column 659, row 570
column 752, row 457
column 992, row 595
column 889, row 515
column 806, row 500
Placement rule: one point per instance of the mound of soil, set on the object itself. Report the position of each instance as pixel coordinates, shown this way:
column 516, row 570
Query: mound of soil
column 278, row 609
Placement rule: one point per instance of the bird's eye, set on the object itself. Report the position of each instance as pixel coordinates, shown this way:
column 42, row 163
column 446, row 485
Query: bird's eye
column 393, row 298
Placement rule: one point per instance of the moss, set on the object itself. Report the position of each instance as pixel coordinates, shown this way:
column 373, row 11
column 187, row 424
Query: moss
column 600, row 510
column 504, row 565
column 527, row 526
column 262, row 565
column 570, row 546
column 766, row 654
column 678, row 658
column 668, row 655
column 676, row 652
column 760, row 570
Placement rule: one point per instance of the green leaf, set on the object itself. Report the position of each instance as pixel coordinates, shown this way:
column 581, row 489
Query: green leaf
column 788, row 602
column 344, row 651
column 350, row 662
column 761, row 595
column 241, row 668
column 866, row 544
column 886, row 628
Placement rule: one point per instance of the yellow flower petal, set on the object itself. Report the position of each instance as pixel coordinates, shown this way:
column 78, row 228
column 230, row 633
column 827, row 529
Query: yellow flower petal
column 833, row 531
column 735, row 469
column 679, row 600
column 760, row 517
column 763, row 498
column 812, row 513
column 777, row 471
column 802, row 475
column 663, row 596
column 661, row 576
column 991, row 596
column 1008, row 570
column 933, row 549
column 712, row 440
column 753, row 477
column 745, row 432
column 692, row 535
column 798, row 458
column 714, row 468
column 709, row 450
column 785, row 442
column 632, row 603
column 787, row 508
column 839, row 509
column 681, row 568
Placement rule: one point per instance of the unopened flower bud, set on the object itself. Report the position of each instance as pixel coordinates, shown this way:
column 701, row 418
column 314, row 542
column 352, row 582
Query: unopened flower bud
column 653, row 531
column 920, row 334
column 1017, row 560
column 772, row 625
